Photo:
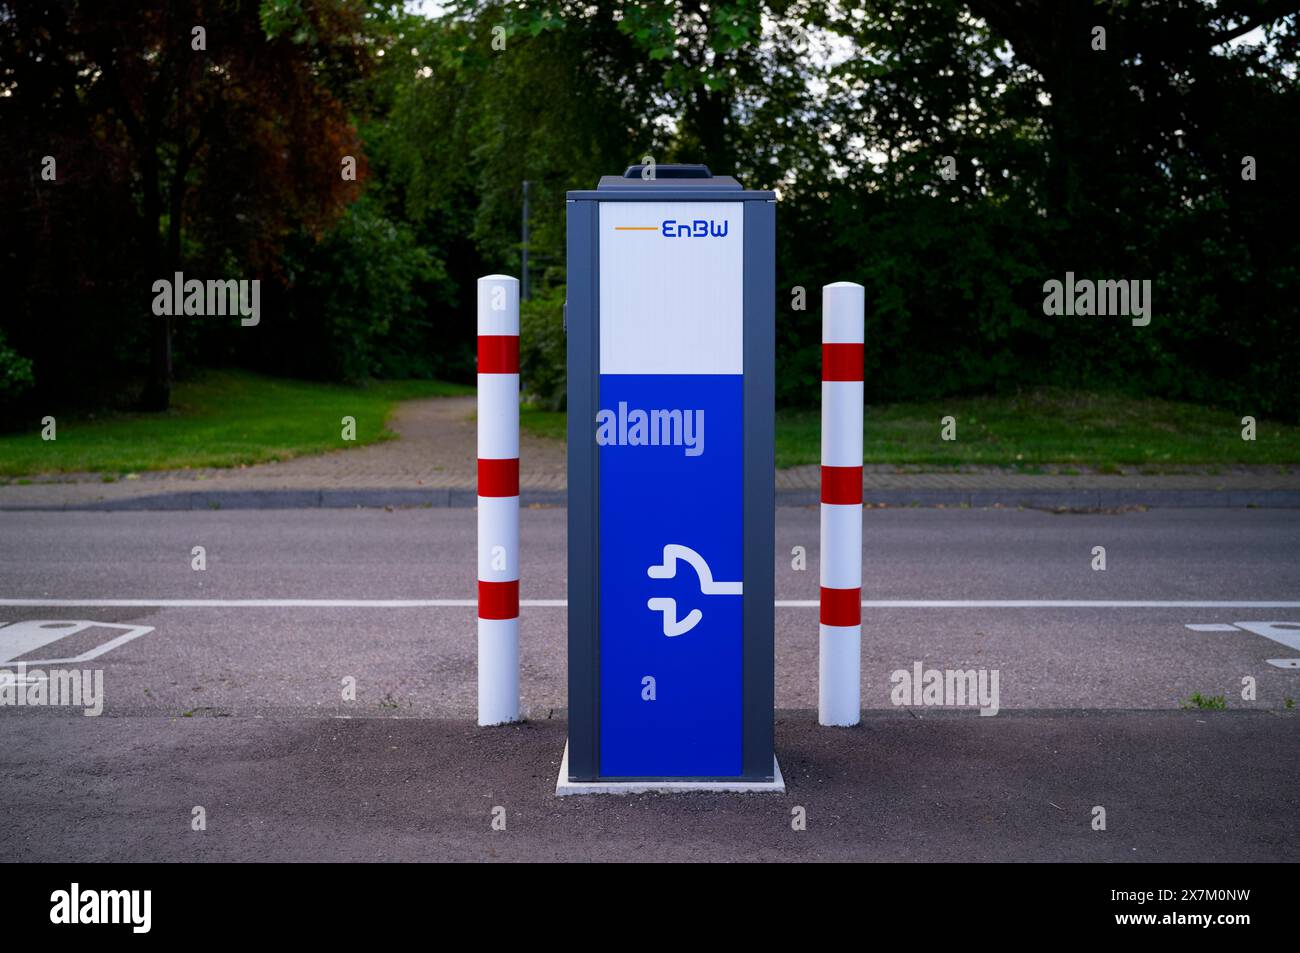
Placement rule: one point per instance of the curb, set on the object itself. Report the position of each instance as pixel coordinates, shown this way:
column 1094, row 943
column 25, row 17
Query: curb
column 1065, row 499
column 191, row 500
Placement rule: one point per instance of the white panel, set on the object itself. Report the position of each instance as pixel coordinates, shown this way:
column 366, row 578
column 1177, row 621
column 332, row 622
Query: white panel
column 671, row 304
column 841, row 555
column 842, row 423
column 498, row 525
column 498, row 416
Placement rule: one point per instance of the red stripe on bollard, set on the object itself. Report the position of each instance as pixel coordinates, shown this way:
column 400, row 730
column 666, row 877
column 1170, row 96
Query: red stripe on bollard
column 498, row 354
column 841, row 362
column 840, row 606
column 501, row 477
column 841, row 484
column 498, row 600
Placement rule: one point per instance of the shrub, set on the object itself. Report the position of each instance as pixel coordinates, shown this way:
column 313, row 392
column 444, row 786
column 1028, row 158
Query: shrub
column 16, row 376
column 542, row 350
column 358, row 303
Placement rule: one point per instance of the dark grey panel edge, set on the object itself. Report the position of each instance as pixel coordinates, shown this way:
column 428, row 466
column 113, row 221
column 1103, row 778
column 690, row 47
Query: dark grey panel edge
column 583, row 395
column 758, row 686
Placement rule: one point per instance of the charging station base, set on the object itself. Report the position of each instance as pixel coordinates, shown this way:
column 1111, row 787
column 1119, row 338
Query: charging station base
column 564, row 787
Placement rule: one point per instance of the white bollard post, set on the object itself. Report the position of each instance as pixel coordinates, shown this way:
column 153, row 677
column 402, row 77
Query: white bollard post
column 839, row 696
column 498, row 500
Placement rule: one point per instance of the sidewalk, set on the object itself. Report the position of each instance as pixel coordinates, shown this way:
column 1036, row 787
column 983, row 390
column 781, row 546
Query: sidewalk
column 434, row 464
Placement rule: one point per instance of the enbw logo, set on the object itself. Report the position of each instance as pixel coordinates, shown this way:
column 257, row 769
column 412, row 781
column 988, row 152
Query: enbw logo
column 699, row 228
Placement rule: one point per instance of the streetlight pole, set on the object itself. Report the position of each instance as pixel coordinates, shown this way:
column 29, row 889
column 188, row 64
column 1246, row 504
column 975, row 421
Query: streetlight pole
column 524, row 290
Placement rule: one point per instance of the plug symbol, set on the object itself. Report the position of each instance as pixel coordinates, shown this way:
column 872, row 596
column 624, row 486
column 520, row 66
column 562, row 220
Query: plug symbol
column 674, row 626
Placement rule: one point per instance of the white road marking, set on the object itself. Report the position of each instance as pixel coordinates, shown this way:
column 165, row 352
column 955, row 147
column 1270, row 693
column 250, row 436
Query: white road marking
column 1045, row 604
column 561, row 603
column 23, row 638
column 268, row 603
column 1284, row 633
column 10, row 679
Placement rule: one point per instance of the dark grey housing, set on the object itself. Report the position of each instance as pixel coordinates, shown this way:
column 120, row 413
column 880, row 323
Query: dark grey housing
column 672, row 184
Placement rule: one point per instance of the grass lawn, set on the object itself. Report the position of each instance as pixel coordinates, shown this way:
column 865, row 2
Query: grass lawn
column 221, row 419
column 543, row 423
column 1031, row 430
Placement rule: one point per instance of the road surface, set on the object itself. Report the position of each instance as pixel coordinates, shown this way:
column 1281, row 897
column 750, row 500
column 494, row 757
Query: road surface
column 240, row 708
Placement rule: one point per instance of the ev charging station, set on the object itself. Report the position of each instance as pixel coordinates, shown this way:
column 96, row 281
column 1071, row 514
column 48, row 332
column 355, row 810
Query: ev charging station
column 671, row 335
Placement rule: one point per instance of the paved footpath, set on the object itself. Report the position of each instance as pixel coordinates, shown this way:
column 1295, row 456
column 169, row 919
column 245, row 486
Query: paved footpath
column 433, row 463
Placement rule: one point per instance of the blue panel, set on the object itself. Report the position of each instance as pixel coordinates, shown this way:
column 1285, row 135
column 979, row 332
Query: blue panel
column 650, row 497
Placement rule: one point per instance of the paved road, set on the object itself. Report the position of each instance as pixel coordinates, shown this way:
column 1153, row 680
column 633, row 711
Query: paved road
column 249, row 660
column 1089, row 696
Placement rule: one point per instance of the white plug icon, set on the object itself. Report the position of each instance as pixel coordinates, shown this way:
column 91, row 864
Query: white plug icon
column 674, row 626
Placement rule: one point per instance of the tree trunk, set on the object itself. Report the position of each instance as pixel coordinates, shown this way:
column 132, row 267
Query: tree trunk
column 157, row 392
column 705, row 126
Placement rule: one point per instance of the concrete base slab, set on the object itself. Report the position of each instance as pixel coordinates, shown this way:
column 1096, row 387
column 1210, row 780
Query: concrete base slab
column 564, row 787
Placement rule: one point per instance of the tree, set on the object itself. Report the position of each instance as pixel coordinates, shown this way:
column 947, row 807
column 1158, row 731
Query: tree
column 223, row 121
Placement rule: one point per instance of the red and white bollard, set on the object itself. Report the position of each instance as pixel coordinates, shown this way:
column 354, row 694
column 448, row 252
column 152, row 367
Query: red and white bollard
column 839, row 696
column 498, row 500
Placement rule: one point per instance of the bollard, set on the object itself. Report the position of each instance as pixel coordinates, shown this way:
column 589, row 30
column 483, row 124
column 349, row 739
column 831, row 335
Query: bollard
column 839, row 696
column 498, row 500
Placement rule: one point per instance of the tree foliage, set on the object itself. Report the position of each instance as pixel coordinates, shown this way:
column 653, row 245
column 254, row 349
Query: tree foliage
column 951, row 155
column 186, row 137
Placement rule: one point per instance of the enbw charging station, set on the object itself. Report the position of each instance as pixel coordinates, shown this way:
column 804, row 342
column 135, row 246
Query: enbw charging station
column 671, row 467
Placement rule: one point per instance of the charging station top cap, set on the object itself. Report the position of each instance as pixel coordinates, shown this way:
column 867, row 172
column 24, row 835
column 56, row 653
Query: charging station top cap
column 672, row 176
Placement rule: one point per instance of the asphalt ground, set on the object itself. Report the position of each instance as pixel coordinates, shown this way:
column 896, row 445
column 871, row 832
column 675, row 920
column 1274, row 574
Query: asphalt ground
column 240, row 709
column 1175, row 787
